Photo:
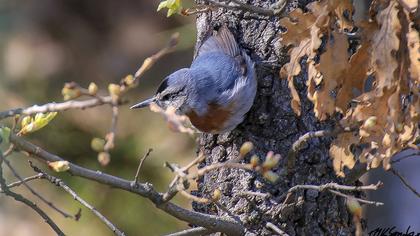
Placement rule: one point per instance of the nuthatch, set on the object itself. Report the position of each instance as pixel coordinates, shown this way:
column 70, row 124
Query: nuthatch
column 216, row 91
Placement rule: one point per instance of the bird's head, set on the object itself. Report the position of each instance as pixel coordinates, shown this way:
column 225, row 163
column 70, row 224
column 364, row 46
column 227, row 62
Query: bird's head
column 171, row 92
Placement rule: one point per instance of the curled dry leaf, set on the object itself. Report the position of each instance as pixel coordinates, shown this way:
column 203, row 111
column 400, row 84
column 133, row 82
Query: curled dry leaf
column 410, row 5
column 385, row 44
column 298, row 26
column 413, row 43
column 304, row 32
column 333, row 65
column 386, row 109
column 341, row 153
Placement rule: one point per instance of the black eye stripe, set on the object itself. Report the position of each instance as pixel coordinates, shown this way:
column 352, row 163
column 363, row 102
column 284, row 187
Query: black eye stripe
column 163, row 85
column 166, row 97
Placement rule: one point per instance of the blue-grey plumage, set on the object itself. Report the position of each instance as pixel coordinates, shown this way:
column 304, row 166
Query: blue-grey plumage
column 216, row 91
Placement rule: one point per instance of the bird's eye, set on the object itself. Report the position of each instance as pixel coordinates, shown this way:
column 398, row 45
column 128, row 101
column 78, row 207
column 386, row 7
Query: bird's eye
column 166, row 97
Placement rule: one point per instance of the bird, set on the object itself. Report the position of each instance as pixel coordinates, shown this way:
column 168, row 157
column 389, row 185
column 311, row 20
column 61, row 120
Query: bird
column 216, row 91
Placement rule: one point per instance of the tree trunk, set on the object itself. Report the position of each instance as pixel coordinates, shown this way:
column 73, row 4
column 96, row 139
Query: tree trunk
column 272, row 126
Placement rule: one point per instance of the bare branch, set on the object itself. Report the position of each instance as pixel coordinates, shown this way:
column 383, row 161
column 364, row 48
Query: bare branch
column 172, row 190
column 25, row 201
column 405, row 182
column 50, row 204
column 27, row 179
column 150, row 61
column 52, row 107
column 76, row 197
column 254, row 194
column 110, row 137
column 214, row 223
column 196, row 10
column 298, row 144
column 331, row 186
column 194, row 162
column 198, row 231
column 194, row 198
column 230, row 165
column 136, row 177
column 274, row 10
column 336, row 187
column 275, row 229
column 355, row 198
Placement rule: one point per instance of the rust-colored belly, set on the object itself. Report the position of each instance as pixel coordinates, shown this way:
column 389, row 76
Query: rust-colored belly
column 212, row 121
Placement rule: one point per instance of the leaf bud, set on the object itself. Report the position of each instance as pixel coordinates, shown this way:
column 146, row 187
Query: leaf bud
column 93, row 88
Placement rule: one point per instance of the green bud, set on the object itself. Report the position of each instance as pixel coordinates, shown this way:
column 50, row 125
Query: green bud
column 97, row 144
column 246, row 148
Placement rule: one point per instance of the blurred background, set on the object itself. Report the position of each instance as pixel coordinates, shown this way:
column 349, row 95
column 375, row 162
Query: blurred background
column 45, row 43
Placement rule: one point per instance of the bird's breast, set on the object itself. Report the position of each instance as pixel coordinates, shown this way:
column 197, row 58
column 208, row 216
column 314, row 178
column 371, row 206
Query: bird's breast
column 213, row 121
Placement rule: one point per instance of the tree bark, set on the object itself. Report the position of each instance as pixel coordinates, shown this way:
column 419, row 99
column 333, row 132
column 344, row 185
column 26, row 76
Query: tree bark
column 272, row 126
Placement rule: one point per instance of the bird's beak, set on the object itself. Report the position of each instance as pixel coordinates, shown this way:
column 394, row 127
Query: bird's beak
column 144, row 103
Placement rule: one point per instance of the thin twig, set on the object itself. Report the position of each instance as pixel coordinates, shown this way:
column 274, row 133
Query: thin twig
column 196, row 10
column 172, row 189
column 197, row 160
column 254, row 194
column 27, row 179
column 197, row 231
column 60, row 183
column 336, row 187
column 274, row 10
column 150, row 61
column 405, row 182
column 110, row 137
column 52, row 107
column 212, row 222
column 136, row 177
column 355, row 198
column 302, row 140
column 9, row 150
column 275, row 229
column 194, row 198
column 223, row 165
column 331, row 186
column 50, row 204
column 25, row 201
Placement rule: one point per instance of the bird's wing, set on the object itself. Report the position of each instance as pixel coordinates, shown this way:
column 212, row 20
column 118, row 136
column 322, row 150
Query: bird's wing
column 223, row 41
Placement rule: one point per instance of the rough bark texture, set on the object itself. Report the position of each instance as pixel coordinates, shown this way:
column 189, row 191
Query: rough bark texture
column 272, row 126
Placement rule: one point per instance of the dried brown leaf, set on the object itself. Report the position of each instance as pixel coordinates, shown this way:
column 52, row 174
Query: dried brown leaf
column 356, row 73
column 385, row 45
column 413, row 43
column 332, row 65
column 341, row 10
column 341, row 154
column 410, row 5
column 293, row 68
column 298, row 26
